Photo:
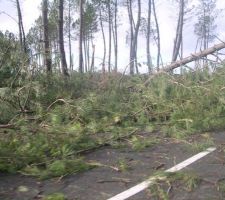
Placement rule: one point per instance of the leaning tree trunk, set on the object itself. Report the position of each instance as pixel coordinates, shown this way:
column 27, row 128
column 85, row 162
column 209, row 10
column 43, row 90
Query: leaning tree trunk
column 21, row 28
column 61, row 40
column 47, row 54
column 191, row 58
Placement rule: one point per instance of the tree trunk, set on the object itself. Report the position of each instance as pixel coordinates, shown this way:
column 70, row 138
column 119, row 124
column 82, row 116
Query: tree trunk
column 85, row 54
column 116, row 36
column 69, row 38
column 61, row 40
column 158, row 35
column 149, row 60
column 179, row 32
column 81, row 67
column 131, row 21
column 21, row 28
column 194, row 57
column 93, row 57
column 110, row 34
column 136, row 31
column 104, row 42
column 191, row 58
column 47, row 54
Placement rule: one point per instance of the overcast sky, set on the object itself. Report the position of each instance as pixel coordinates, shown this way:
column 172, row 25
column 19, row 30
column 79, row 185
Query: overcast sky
column 166, row 15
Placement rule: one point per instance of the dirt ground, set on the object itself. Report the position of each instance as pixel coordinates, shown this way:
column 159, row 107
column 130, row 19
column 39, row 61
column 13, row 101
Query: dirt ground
column 106, row 181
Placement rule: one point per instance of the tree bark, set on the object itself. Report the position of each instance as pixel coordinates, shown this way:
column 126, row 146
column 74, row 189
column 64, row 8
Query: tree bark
column 21, row 28
column 47, row 55
column 179, row 32
column 189, row 59
column 81, row 67
column 103, row 37
column 158, row 35
column 69, row 38
column 194, row 57
column 61, row 39
column 149, row 60
column 116, row 36
column 110, row 34
column 130, row 15
column 136, row 31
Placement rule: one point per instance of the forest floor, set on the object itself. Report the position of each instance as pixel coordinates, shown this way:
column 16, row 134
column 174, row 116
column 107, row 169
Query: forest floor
column 121, row 167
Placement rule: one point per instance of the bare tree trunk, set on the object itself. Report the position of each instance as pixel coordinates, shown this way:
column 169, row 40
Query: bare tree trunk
column 110, row 34
column 69, row 38
column 104, row 42
column 21, row 28
column 85, row 54
column 195, row 56
column 149, row 60
column 93, row 57
column 136, row 31
column 61, row 40
column 88, row 53
column 47, row 54
column 81, row 68
column 179, row 32
column 131, row 21
column 158, row 35
column 116, row 36
column 191, row 58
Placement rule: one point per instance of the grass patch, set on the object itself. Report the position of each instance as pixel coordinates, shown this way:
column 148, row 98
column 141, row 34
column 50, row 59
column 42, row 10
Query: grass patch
column 161, row 188
column 139, row 143
column 55, row 196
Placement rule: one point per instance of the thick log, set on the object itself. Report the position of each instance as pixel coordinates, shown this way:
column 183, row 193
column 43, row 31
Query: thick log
column 194, row 57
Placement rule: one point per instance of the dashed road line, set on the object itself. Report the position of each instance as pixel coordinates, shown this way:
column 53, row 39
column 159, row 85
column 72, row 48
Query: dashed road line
column 145, row 184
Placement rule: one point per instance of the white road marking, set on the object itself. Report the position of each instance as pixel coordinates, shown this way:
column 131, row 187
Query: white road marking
column 145, row 184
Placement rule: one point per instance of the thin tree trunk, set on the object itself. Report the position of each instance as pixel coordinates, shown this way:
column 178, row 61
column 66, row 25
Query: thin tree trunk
column 191, row 58
column 81, row 68
column 136, row 31
column 104, row 42
column 195, row 56
column 88, row 53
column 61, row 40
column 149, row 60
column 93, row 57
column 21, row 28
column 116, row 36
column 47, row 54
column 131, row 21
column 69, row 38
column 158, row 35
column 179, row 32
column 110, row 35
column 85, row 54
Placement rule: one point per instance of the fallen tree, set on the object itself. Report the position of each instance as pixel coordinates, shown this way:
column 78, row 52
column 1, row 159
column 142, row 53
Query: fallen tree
column 194, row 57
column 190, row 58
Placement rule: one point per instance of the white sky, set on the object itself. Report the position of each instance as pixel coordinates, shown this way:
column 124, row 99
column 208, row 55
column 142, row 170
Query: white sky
column 167, row 21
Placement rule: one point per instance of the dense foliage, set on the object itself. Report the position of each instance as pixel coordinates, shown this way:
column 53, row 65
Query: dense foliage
column 53, row 121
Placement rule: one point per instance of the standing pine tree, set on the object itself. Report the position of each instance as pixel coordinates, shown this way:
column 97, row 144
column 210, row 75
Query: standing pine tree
column 206, row 26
